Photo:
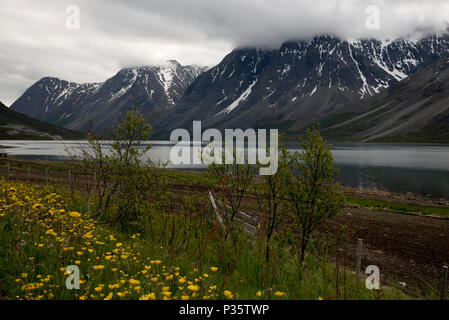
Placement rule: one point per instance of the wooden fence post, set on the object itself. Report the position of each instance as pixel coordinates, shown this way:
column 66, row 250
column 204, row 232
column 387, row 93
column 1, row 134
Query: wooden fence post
column 28, row 173
column 70, row 177
column 88, row 204
column 46, row 176
column 444, row 283
column 358, row 262
column 215, row 208
column 8, row 172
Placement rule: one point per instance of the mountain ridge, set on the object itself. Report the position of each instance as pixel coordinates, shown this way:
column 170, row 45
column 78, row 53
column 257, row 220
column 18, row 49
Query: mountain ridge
column 97, row 106
column 298, row 84
column 14, row 126
column 414, row 110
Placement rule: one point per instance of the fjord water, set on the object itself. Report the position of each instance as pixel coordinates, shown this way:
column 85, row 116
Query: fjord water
column 420, row 169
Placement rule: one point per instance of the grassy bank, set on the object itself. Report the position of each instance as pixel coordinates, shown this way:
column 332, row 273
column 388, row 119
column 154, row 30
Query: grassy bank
column 42, row 231
column 198, row 178
column 378, row 204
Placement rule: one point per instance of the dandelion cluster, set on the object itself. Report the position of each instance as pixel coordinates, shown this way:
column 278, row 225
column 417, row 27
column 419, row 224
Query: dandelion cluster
column 48, row 237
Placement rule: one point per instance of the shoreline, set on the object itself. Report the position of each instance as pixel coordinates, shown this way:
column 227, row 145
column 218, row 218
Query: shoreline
column 405, row 202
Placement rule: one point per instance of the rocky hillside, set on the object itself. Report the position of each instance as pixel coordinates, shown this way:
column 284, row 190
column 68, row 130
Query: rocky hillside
column 14, row 125
column 299, row 83
column 322, row 79
column 413, row 110
column 98, row 106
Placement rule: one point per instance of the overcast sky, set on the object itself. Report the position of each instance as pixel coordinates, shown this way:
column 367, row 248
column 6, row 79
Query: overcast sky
column 35, row 42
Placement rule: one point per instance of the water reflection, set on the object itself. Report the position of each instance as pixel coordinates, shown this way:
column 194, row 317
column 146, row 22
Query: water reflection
column 421, row 169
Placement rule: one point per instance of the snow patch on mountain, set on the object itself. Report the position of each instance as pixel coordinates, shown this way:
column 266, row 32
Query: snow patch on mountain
column 242, row 97
column 166, row 74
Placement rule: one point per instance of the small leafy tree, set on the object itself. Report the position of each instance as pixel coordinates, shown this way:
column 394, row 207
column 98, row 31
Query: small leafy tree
column 127, row 152
column 312, row 192
column 116, row 165
column 234, row 180
column 271, row 198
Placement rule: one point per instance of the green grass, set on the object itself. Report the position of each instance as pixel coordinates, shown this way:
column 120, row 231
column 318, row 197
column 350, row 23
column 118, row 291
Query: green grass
column 189, row 177
column 396, row 206
column 31, row 255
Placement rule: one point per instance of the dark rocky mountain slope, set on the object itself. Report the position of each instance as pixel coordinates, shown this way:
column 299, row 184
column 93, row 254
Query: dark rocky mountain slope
column 300, row 83
column 14, row 125
column 324, row 79
column 413, row 110
column 98, row 106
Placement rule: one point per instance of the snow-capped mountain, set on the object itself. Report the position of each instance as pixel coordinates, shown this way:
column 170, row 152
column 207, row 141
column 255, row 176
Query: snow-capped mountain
column 300, row 83
column 322, row 79
column 413, row 110
column 97, row 106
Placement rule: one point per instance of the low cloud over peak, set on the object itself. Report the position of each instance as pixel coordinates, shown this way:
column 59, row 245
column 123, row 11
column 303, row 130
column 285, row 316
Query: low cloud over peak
column 115, row 34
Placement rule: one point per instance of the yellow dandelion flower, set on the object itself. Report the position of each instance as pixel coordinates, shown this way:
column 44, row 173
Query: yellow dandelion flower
column 166, row 293
column 109, row 296
column 150, row 296
column 74, row 214
column 228, row 294
column 193, row 287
